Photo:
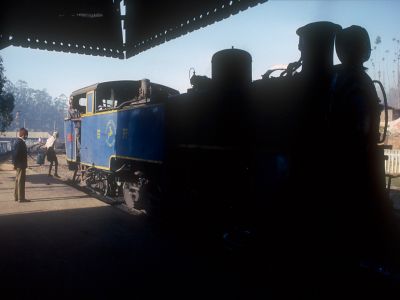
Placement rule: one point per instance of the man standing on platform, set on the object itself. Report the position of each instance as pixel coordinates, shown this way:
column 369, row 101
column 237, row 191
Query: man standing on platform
column 20, row 162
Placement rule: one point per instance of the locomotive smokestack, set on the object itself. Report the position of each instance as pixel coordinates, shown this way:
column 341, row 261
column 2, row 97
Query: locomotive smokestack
column 145, row 89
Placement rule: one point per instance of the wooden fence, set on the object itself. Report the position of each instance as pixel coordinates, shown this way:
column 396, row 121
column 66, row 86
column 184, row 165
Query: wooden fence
column 392, row 164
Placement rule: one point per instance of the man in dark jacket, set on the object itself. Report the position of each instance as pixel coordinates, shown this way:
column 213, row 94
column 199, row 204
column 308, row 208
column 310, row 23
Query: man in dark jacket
column 20, row 162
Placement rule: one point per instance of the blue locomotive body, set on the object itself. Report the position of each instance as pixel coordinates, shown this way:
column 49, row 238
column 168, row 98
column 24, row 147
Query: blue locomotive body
column 134, row 133
column 111, row 122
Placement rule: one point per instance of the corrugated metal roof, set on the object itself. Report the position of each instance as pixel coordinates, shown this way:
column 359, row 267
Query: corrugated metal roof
column 95, row 27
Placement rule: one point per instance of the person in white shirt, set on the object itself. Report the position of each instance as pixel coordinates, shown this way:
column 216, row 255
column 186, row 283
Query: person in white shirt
column 51, row 154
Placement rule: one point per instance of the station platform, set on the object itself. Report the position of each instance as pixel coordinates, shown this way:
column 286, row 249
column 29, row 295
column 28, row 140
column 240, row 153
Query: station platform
column 66, row 244
column 44, row 193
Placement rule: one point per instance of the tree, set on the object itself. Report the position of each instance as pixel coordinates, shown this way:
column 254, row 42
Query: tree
column 6, row 102
column 37, row 109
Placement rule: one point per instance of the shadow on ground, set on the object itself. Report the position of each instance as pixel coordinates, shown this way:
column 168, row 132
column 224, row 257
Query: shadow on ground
column 42, row 179
column 102, row 252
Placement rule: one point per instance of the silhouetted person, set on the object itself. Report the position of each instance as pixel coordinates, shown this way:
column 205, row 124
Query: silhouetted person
column 361, row 210
column 51, row 154
column 355, row 97
column 20, row 162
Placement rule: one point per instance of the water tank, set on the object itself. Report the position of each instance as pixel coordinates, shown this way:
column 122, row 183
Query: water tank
column 231, row 68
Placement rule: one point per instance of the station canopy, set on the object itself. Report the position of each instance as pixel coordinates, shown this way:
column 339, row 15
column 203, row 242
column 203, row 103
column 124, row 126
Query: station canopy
column 95, row 27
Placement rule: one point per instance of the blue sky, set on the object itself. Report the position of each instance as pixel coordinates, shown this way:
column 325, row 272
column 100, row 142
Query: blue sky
column 266, row 31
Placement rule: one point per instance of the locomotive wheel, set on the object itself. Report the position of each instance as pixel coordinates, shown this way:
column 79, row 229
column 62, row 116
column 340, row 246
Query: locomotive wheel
column 100, row 182
column 111, row 186
column 90, row 177
column 103, row 186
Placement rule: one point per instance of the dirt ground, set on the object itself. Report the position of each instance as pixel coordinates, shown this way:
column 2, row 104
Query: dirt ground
column 63, row 171
column 394, row 140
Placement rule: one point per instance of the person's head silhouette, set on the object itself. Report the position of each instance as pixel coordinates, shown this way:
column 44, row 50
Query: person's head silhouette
column 353, row 46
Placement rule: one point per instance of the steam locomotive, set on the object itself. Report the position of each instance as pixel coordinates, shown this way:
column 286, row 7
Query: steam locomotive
column 231, row 142
column 246, row 156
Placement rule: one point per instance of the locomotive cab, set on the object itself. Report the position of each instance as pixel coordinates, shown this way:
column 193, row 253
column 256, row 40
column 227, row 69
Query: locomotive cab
column 115, row 129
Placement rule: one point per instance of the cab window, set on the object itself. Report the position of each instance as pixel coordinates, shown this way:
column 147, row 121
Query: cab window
column 82, row 105
column 89, row 107
column 105, row 99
